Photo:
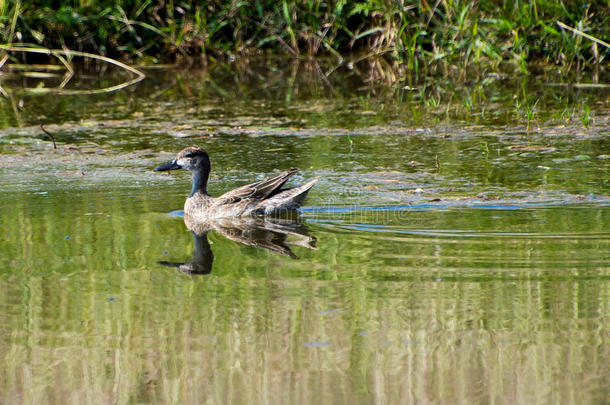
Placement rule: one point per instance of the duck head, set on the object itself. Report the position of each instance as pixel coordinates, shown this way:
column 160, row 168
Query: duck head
column 194, row 159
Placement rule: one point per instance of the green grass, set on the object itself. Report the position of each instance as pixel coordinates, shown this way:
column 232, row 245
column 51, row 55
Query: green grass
column 585, row 116
column 421, row 38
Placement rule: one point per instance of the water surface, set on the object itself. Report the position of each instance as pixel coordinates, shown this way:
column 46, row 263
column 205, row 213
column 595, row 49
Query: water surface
column 461, row 249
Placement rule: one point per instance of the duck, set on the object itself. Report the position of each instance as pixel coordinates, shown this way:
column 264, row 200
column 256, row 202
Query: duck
column 264, row 197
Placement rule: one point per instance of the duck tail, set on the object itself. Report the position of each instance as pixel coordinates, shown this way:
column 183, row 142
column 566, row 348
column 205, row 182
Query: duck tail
column 300, row 192
column 288, row 200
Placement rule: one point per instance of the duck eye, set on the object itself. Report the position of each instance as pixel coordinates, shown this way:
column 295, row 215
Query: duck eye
column 189, row 155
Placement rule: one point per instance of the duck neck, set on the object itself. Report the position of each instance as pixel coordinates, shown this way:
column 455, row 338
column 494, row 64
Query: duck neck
column 200, row 181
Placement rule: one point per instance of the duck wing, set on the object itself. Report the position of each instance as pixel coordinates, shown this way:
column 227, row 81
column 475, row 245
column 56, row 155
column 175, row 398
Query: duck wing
column 259, row 191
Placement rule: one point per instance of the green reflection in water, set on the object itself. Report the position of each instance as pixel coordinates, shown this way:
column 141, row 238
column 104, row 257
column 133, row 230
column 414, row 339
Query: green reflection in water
column 466, row 305
column 460, row 261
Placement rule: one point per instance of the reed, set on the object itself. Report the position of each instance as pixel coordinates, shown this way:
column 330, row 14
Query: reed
column 461, row 37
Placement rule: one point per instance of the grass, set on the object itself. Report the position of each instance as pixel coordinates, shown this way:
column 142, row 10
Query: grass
column 585, row 116
column 443, row 37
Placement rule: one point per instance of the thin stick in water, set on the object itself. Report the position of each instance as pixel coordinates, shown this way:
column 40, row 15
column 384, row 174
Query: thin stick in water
column 50, row 135
column 578, row 32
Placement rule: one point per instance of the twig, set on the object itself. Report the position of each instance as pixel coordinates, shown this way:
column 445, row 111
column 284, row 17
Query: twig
column 69, row 53
column 70, row 71
column 279, row 39
column 432, row 13
column 50, row 134
column 66, row 79
column 323, row 76
column 3, row 61
column 67, row 64
column 18, row 66
column 130, row 23
column 592, row 38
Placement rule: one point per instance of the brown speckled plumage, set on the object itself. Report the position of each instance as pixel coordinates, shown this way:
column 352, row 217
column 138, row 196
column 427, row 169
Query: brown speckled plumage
column 265, row 197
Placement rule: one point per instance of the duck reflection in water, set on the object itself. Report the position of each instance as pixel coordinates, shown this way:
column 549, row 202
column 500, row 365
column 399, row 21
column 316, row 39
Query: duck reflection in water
column 269, row 233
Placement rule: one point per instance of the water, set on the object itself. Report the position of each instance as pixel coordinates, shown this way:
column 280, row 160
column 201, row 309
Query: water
column 454, row 253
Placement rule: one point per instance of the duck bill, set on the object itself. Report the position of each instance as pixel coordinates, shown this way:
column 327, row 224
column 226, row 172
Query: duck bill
column 168, row 166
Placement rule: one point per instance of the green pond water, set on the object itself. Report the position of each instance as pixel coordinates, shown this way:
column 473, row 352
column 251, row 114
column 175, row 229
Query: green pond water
column 456, row 248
